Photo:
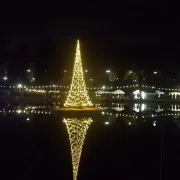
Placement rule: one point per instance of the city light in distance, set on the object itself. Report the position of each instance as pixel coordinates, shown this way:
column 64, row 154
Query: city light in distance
column 154, row 123
column 28, row 70
column 155, row 72
column 103, row 87
column 19, row 85
column 5, row 78
column 108, row 71
column 106, row 123
column 27, row 119
column 19, row 111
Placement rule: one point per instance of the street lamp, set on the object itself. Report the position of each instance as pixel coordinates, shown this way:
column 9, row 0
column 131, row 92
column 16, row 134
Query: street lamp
column 54, row 89
column 104, row 87
column 19, row 86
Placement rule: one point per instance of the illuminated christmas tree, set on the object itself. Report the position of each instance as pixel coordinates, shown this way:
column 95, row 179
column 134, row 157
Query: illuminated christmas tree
column 78, row 95
column 77, row 129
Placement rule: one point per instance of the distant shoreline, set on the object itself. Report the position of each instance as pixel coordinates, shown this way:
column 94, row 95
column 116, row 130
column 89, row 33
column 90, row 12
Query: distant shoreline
column 54, row 99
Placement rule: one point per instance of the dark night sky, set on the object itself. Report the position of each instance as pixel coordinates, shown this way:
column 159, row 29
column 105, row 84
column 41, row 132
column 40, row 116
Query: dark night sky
column 145, row 33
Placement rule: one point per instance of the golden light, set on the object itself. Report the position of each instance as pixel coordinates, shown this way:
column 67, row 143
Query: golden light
column 77, row 130
column 78, row 95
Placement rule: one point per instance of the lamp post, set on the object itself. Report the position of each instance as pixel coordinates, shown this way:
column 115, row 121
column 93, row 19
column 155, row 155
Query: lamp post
column 19, row 86
column 104, row 87
column 54, row 90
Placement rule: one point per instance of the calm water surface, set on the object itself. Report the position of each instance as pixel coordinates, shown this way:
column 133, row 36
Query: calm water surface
column 123, row 141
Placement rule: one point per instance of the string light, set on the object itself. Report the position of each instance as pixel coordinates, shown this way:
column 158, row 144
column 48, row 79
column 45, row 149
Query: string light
column 77, row 129
column 78, row 95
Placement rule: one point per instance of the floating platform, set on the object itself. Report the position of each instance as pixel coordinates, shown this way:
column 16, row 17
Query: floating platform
column 76, row 112
column 77, row 109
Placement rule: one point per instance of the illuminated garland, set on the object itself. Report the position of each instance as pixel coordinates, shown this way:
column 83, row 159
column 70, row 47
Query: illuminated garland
column 78, row 96
column 77, row 129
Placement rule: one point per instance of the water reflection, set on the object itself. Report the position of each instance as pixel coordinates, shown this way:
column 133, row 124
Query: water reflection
column 134, row 114
column 122, row 132
column 77, row 129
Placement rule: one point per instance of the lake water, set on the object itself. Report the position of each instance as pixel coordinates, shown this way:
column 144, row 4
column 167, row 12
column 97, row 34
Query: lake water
column 123, row 141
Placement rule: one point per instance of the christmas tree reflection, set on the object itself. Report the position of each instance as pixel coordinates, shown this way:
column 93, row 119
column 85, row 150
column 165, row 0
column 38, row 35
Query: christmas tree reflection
column 77, row 129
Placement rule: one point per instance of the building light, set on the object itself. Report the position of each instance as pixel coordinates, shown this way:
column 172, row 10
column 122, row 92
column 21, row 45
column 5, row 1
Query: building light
column 28, row 70
column 106, row 123
column 155, row 72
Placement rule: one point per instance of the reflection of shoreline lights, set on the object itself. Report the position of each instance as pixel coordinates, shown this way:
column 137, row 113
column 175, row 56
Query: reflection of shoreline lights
column 35, row 90
column 78, row 95
column 119, row 108
column 175, row 108
column 77, row 129
column 158, row 109
column 143, row 116
column 137, row 107
column 25, row 111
